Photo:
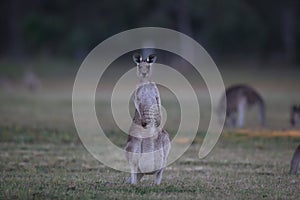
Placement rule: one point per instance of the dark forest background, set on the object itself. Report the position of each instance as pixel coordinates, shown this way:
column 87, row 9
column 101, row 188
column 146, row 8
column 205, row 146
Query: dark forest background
column 265, row 30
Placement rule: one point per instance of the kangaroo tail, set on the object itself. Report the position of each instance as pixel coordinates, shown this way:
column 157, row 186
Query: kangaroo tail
column 295, row 161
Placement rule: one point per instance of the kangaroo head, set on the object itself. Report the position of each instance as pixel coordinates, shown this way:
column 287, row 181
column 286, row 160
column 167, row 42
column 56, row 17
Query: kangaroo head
column 144, row 65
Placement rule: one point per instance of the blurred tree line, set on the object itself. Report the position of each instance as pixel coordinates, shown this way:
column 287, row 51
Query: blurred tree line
column 266, row 30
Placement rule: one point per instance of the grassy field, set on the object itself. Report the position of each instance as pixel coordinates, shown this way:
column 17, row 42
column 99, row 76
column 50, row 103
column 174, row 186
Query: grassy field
column 42, row 156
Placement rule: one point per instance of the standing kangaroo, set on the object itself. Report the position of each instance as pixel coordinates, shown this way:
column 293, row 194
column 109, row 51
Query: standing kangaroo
column 238, row 98
column 148, row 145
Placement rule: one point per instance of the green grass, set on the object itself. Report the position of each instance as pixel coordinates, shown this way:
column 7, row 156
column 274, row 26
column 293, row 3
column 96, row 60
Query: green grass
column 41, row 155
column 237, row 168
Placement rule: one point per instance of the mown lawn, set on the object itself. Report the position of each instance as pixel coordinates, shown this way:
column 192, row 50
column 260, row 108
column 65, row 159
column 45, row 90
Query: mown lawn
column 42, row 157
column 240, row 167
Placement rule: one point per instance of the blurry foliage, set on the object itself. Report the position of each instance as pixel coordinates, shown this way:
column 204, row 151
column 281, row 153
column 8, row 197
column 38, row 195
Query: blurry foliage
column 73, row 28
column 41, row 31
column 233, row 26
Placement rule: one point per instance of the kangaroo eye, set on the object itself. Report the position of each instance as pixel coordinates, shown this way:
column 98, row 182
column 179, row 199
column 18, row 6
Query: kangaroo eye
column 151, row 59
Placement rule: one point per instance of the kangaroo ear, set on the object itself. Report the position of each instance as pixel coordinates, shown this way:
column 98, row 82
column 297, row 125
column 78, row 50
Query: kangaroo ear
column 137, row 58
column 151, row 59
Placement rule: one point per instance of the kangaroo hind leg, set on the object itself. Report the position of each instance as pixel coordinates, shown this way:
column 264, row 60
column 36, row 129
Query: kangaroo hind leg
column 158, row 177
column 241, row 111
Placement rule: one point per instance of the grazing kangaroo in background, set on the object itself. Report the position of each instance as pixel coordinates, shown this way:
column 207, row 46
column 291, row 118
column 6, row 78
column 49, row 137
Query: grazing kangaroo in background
column 148, row 145
column 238, row 98
column 295, row 161
column 295, row 119
column 295, row 115
column 30, row 80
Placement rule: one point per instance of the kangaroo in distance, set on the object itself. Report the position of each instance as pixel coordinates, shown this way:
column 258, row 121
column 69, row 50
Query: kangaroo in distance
column 238, row 99
column 295, row 115
column 295, row 118
column 148, row 145
column 31, row 80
